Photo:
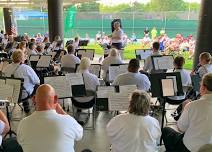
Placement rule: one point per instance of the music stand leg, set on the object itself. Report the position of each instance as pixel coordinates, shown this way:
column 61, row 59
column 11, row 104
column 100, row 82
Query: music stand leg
column 10, row 132
column 163, row 117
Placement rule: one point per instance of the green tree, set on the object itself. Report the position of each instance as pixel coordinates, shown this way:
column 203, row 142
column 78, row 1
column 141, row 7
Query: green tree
column 166, row 5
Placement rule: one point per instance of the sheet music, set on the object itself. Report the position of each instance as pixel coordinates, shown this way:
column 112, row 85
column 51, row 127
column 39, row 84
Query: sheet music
column 34, row 57
column 44, row 61
column 105, row 91
column 118, row 102
column 127, row 89
column 81, row 52
column 123, row 68
column 2, row 81
column 3, row 65
column 16, row 88
column 174, row 81
column 52, row 54
column 95, row 69
column 89, row 54
column 163, row 62
column 61, row 86
column 75, row 78
column 6, row 92
column 113, row 72
column 144, row 54
column 168, row 87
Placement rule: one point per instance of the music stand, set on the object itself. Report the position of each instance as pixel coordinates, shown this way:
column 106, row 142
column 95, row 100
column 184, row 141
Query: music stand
column 83, row 42
column 162, row 63
column 157, row 90
column 143, row 54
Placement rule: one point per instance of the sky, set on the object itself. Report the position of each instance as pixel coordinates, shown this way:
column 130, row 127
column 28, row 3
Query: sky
column 117, row 2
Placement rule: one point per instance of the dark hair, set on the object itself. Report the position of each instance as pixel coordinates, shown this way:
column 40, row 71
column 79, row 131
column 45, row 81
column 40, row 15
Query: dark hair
column 207, row 81
column 70, row 49
column 179, row 61
column 76, row 38
column 206, row 56
column 156, row 45
column 39, row 48
column 30, row 45
column 134, row 64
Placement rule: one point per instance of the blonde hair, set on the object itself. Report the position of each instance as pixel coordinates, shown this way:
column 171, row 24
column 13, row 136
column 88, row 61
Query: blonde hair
column 85, row 63
column 205, row 56
column 139, row 103
column 18, row 56
column 22, row 45
column 113, row 52
column 207, row 81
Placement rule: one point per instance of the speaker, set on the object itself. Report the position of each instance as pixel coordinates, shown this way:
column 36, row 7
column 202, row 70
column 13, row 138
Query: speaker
column 112, row 23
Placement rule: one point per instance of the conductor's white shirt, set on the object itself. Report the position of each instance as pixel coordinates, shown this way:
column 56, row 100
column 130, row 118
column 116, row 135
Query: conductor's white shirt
column 69, row 60
column 195, row 121
column 48, row 131
column 91, row 81
column 129, row 78
column 117, row 33
column 23, row 71
column 133, row 133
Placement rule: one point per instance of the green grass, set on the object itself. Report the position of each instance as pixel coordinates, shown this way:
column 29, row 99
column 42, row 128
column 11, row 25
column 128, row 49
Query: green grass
column 129, row 53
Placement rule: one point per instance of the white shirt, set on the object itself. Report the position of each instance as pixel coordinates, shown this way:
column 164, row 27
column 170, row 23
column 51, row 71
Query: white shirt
column 195, row 121
column 118, row 33
column 205, row 69
column 129, row 78
column 148, row 62
column 47, row 131
column 132, row 133
column 107, row 62
column 2, row 126
column 23, row 71
column 32, row 52
column 186, row 82
column 69, row 60
column 91, row 81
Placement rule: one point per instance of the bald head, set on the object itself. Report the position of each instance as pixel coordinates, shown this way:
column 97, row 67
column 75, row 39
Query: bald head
column 45, row 97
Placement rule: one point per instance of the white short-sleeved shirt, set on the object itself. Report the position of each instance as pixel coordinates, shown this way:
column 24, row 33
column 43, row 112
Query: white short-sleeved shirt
column 91, row 81
column 69, row 60
column 129, row 78
column 2, row 126
column 107, row 62
column 148, row 67
column 23, row 71
column 205, row 69
column 47, row 131
column 132, row 133
column 186, row 82
column 195, row 121
column 118, row 33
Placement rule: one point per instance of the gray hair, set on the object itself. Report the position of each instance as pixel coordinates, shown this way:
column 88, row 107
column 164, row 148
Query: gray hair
column 139, row 103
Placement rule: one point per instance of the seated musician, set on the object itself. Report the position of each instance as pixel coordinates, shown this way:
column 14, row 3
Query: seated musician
column 194, row 123
column 133, row 77
column 91, row 81
column 135, row 131
column 4, row 126
column 179, row 61
column 20, row 70
column 113, row 58
column 70, row 60
column 204, row 66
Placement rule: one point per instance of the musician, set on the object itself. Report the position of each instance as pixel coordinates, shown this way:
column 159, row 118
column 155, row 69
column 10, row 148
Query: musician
column 20, row 70
column 135, row 131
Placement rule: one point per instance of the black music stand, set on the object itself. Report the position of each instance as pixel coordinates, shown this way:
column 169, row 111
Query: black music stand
column 157, row 90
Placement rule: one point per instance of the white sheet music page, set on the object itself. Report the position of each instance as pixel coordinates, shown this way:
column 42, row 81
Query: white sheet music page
column 16, row 88
column 34, row 57
column 88, row 54
column 113, row 72
column 61, row 86
column 123, row 68
column 127, row 89
column 168, row 87
column 2, row 81
column 105, row 91
column 165, row 62
column 118, row 102
column 174, row 81
column 75, row 78
column 44, row 61
column 6, row 92
column 95, row 69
